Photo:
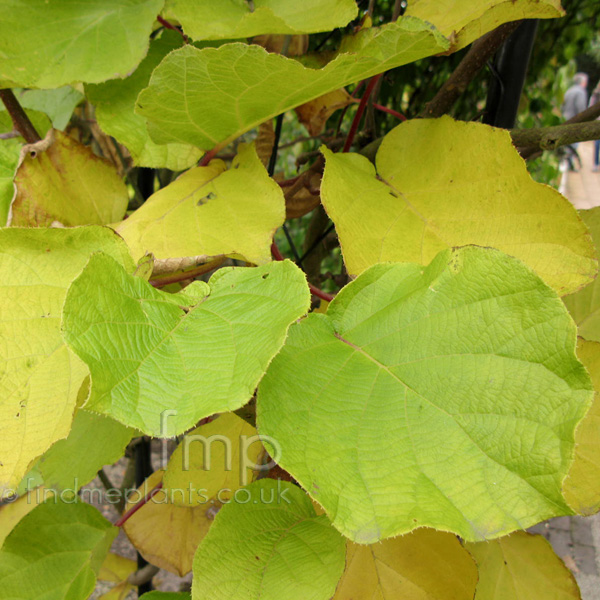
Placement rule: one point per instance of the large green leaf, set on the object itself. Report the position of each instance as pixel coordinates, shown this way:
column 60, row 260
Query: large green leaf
column 36, row 267
column 519, row 567
column 93, row 442
column 269, row 544
column 190, row 354
column 115, row 101
column 231, row 19
column 59, row 179
column 584, row 305
column 442, row 183
column 444, row 396
column 467, row 21
column 211, row 211
column 209, row 96
column 50, row 44
column 55, row 552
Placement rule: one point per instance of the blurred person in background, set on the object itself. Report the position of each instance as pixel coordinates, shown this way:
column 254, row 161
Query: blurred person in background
column 575, row 101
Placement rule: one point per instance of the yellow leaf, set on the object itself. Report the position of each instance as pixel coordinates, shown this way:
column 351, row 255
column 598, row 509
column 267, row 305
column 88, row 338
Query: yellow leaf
column 11, row 514
column 210, row 210
column 117, row 569
column 265, row 139
column 422, row 565
column 521, row 566
column 314, row 114
column 581, row 487
column 442, row 183
column 40, row 378
column 59, row 179
column 463, row 22
column 167, row 535
column 215, row 458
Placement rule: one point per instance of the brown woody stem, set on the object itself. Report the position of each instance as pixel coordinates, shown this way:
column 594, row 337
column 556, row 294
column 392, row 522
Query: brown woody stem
column 20, row 120
column 532, row 141
column 480, row 52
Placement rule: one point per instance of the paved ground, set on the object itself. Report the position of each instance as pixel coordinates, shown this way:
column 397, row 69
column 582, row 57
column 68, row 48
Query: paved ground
column 576, row 539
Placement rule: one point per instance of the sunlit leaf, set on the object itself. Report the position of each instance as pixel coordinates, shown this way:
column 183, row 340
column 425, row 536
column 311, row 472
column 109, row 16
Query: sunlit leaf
column 519, row 567
column 464, row 22
column 216, row 457
column 55, row 552
column 442, row 183
column 422, row 565
column 115, row 100
column 584, row 305
column 211, row 210
column 36, row 267
column 167, row 535
column 49, row 44
column 188, row 355
column 581, row 487
column 443, row 396
column 12, row 513
column 269, row 544
column 207, row 20
column 61, row 180
column 210, row 96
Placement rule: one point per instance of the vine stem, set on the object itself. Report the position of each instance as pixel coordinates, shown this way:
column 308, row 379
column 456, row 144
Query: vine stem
column 315, row 291
column 127, row 515
column 20, row 120
column 359, row 112
column 385, row 109
column 172, row 27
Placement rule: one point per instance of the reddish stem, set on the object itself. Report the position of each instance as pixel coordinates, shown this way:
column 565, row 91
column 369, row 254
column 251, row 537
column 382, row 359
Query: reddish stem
column 359, row 112
column 385, row 109
column 172, row 27
column 127, row 515
column 314, row 289
column 208, row 156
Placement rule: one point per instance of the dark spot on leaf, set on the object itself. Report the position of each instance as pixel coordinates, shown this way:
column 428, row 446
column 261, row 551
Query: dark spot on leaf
column 257, row 558
column 236, row 166
column 18, row 415
column 393, row 193
column 48, row 250
column 265, row 275
column 205, row 199
column 33, row 154
column 506, row 563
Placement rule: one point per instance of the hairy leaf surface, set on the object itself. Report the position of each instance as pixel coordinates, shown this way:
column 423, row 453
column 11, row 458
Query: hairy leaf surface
column 442, row 183
column 55, row 552
column 192, row 354
column 115, row 100
column 49, row 44
column 443, row 396
column 422, row 565
column 521, row 565
column 211, row 96
column 207, row 20
column 211, row 210
column 36, row 267
column 269, row 544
